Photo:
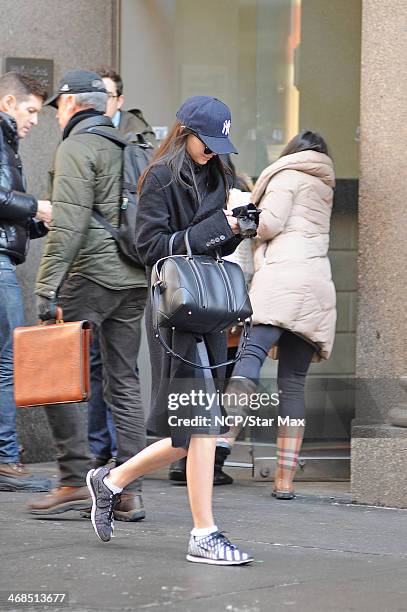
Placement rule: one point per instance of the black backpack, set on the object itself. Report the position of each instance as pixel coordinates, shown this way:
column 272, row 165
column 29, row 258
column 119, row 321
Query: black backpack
column 136, row 156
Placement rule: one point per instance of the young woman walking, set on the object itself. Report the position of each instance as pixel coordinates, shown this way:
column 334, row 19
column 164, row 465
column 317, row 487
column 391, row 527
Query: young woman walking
column 185, row 186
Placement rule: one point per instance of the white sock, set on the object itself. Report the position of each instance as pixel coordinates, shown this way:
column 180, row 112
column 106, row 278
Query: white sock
column 201, row 533
column 111, row 486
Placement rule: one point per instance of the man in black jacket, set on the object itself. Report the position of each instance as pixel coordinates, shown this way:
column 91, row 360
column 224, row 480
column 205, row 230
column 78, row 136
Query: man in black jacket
column 21, row 217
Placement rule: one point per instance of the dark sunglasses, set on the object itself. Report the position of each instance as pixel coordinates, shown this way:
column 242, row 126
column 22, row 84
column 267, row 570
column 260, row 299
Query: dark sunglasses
column 207, row 150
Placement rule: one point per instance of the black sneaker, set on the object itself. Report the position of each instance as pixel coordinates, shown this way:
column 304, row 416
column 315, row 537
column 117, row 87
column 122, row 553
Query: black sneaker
column 178, row 471
column 103, row 503
column 219, row 476
column 215, row 549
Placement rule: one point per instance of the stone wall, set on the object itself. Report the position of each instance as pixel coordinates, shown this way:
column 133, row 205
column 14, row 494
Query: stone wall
column 379, row 451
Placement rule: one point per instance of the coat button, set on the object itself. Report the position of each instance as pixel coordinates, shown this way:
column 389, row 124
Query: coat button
column 212, row 241
column 222, row 237
column 217, row 239
column 208, row 244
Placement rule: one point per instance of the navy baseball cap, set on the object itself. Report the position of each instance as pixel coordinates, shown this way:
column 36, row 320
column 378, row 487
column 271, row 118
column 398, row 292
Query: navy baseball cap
column 210, row 119
column 75, row 82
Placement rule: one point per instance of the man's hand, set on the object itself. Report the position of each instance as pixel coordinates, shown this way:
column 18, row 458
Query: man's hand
column 46, row 308
column 44, row 211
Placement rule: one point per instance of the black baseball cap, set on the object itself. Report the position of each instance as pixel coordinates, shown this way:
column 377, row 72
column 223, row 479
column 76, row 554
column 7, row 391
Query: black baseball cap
column 210, row 120
column 75, row 82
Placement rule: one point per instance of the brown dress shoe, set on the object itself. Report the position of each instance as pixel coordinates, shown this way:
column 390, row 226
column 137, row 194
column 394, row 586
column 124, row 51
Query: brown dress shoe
column 15, row 477
column 62, row 499
column 130, row 507
column 14, row 470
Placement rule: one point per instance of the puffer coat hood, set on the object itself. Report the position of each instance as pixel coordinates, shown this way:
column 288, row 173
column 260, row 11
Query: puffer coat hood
column 292, row 286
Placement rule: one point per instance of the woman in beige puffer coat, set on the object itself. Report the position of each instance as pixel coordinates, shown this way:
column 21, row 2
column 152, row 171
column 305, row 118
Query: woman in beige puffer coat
column 292, row 286
column 292, row 292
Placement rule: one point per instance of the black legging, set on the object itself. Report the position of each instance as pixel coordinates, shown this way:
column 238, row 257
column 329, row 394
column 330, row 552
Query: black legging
column 295, row 355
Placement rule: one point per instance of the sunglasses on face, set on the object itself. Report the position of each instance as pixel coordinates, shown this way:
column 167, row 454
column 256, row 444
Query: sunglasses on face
column 207, row 150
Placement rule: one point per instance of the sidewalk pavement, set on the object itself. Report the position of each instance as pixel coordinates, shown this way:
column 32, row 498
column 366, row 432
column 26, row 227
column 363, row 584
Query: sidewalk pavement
column 317, row 553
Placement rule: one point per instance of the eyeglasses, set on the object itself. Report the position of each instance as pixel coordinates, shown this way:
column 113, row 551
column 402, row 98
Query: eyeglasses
column 207, row 150
column 110, row 95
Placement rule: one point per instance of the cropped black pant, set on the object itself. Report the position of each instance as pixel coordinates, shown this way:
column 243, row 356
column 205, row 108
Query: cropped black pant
column 295, row 355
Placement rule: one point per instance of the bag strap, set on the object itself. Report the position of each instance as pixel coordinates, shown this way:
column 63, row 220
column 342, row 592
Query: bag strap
column 122, row 142
column 119, row 140
column 113, row 231
column 209, row 381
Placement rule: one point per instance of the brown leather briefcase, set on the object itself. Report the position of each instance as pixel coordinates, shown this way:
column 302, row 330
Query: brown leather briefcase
column 51, row 363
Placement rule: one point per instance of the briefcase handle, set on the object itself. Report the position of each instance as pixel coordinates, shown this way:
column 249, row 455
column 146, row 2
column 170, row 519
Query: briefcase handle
column 58, row 318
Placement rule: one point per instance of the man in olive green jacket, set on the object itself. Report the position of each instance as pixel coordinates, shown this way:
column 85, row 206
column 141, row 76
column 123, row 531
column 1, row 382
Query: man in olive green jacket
column 83, row 272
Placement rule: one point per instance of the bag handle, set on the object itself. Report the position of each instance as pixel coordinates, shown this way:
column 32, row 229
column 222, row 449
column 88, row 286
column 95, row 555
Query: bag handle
column 59, row 318
column 186, row 240
column 187, row 244
column 171, row 243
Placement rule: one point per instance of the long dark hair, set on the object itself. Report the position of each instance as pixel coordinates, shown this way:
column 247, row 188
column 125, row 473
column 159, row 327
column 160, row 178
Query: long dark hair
column 306, row 140
column 173, row 153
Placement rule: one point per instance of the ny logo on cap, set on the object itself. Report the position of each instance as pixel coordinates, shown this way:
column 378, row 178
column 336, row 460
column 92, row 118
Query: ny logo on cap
column 65, row 87
column 226, row 127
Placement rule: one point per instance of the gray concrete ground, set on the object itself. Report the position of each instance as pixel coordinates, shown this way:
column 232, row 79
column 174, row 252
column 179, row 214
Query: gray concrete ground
column 317, row 553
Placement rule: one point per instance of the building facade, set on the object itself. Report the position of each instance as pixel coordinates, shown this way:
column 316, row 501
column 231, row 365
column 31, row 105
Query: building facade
column 282, row 65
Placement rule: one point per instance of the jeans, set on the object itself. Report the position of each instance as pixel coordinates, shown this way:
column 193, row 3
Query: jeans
column 295, row 355
column 101, row 430
column 11, row 316
column 117, row 316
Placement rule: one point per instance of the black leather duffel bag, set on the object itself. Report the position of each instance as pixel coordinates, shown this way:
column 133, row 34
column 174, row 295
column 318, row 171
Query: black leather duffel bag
column 199, row 294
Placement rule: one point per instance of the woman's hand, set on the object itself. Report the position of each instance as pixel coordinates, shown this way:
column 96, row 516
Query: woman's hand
column 233, row 224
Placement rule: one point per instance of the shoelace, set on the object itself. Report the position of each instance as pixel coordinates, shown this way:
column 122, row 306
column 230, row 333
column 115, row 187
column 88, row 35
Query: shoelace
column 111, row 503
column 18, row 466
column 215, row 540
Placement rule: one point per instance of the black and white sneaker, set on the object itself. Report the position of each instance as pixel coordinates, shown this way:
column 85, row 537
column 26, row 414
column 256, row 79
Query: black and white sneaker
column 215, row 549
column 103, row 503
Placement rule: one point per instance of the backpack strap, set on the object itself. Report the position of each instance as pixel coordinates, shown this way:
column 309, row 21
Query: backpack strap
column 122, row 142
column 113, row 231
column 119, row 140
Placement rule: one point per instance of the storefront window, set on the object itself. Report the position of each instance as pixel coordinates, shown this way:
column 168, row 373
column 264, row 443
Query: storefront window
column 280, row 65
